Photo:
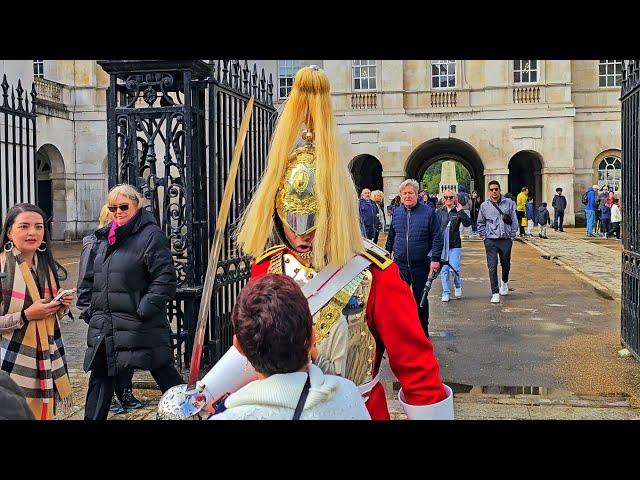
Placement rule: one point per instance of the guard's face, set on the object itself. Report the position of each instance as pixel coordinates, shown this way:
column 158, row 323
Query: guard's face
column 409, row 196
column 300, row 243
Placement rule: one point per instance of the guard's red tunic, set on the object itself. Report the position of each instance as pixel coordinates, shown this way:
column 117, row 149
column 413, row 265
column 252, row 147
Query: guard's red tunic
column 392, row 316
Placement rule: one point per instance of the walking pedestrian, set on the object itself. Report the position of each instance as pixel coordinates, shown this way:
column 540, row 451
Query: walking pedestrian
column 521, row 208
column 368, row 214
column 497, row 226
column 381, row 219
column 133, row 279
column 544, row 219
column 475, row 208
column 589, row 201
column 530, row 216
column 451, row 215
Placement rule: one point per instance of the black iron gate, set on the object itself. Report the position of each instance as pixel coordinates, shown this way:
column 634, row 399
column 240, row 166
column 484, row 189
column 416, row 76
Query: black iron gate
column 17, row 146
column 159, row 123
column 630, row 315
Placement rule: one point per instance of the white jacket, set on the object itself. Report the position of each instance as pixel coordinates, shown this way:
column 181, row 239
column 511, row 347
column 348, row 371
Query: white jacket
column 275, row 398
column 616, row 216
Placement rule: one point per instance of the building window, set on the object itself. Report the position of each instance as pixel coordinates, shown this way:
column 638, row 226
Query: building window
column 286, row 72
column 443, row 73
column 610, row 73
column 525, row 71
column 364, row 74
column 38, row 68
column 610, row 173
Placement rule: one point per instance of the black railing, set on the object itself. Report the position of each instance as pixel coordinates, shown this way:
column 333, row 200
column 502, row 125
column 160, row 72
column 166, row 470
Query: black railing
column 630, row 310
column 17, row 146
column 158, row 121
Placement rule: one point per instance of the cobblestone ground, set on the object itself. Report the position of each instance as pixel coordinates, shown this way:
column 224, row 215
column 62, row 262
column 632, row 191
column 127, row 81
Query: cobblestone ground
column 452, row 331
column 597, row 258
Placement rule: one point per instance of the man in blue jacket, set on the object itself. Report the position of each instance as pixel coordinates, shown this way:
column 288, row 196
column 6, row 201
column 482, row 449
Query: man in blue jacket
column 416, row 242
column 590, row 210
column 368, row 214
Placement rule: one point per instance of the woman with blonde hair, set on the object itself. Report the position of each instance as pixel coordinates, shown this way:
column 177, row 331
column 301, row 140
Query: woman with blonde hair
column 378, row 199
column 133, row 279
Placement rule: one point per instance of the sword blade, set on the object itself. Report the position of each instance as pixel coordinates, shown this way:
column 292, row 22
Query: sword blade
column 216, row 247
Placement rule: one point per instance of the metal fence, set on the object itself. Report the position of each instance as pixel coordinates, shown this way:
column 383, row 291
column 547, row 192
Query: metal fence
column 160, row 122
column 630, row 312
column 17, row 146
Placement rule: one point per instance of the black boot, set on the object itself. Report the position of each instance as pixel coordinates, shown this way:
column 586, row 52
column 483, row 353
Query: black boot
column 128, row 401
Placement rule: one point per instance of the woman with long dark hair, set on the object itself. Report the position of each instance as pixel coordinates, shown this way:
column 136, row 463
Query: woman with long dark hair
column 31, row 350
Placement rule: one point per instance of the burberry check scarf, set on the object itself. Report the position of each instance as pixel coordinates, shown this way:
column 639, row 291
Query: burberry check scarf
column 33, row 355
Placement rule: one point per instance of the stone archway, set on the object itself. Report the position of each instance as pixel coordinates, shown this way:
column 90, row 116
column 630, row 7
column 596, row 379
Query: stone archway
column 52, row 192
column 525, row 169
column 366, row 171
column 438, row 149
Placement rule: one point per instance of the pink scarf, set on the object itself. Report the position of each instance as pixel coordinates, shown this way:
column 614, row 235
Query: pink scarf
column 111, row 236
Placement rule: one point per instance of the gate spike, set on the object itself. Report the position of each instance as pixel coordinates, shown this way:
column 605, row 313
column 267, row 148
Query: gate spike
column 5, row 89
column 236, row 74
column 20, row 91
column 225, row 71
column 254, row 80
column 13, row 99
column 245, row 77
column 34, row 96
column 270, row 90
column 263, row 89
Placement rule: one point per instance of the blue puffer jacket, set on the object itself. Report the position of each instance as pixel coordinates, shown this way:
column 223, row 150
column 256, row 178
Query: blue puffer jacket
column 531, row 211
column 368, row 216
column 413, row 234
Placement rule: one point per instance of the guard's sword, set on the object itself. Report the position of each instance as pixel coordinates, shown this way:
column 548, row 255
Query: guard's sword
column 214, row 253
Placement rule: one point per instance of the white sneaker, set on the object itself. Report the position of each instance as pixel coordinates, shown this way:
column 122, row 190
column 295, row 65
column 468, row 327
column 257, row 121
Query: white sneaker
column 495, row 298
column 504, row 288
column 458, row 292
column 445, row 297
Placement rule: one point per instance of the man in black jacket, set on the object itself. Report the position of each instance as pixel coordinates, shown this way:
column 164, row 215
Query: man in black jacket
column 454, row 215
column 559, row 205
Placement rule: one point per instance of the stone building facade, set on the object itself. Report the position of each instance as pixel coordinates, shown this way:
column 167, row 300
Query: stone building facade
column 543, row 123
column 540, row 123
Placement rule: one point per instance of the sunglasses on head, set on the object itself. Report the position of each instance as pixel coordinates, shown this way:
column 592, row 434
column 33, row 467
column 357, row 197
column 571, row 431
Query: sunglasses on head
column 494, row 189
column 449, row 197
column 123, row 207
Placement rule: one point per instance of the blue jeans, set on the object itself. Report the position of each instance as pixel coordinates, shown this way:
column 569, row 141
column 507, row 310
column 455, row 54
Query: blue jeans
column 591, row 217
column 454, row 259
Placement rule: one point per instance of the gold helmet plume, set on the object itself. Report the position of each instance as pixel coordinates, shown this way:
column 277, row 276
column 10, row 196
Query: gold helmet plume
column 309, row 187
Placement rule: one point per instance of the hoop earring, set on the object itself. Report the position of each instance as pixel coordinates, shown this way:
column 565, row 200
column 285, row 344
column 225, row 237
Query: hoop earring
column 42, row 248
column 8, row 246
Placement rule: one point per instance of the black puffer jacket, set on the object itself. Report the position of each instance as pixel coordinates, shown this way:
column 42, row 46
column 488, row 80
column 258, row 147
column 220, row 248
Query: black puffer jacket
column 131, row 284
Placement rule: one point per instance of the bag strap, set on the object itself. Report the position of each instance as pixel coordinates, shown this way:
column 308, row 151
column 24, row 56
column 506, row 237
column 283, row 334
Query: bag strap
column 302, row 399
column 496, row 205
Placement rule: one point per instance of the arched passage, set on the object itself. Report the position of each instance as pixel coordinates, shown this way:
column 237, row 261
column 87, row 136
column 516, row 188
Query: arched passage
column 525, row 169
column 454, row 149
column 52, row 192
column 366, row 171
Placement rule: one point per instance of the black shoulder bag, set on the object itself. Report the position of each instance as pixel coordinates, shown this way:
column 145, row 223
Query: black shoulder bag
column 506, row 218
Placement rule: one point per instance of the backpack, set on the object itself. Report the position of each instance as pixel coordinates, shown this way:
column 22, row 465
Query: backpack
column 585, row 198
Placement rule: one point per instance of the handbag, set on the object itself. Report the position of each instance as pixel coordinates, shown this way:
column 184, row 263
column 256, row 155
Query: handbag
column 506, row 218
column 523, row 222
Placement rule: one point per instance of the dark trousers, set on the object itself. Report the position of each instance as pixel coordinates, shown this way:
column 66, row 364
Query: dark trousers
column 520, row 215
column 615, row 228
column 102, row 386
column 606, row 224
column 376, row 236
column 498, row 247
column 558, row 219
column 416, row 278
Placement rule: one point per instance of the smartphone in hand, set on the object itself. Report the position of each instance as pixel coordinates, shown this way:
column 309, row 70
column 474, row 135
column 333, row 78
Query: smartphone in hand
column 63, row 293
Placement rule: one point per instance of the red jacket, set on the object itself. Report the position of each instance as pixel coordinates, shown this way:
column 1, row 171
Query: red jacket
column 392, row 316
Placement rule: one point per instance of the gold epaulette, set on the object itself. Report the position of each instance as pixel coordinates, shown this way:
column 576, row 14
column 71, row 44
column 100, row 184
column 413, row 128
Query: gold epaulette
column 269, row 252
column 377, row 255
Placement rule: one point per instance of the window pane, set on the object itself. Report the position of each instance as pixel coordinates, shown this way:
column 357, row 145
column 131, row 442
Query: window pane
column 525, row 76
column 618, row 80
column 534, row 64
column 516, row 64
column 534, row 76
column 434, row 82
column 356, row 83
column 372, row 83
column 452, row 81
column 356, row 62
column 618, row 67
column 356, row 72
column 516, row 77
column 603, row 69
column 434, row 69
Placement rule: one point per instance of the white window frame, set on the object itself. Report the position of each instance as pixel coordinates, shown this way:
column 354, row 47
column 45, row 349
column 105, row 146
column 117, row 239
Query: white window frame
column 610, row 175
column 521, row 70
column 38, row 68
column 609, row 78
column 448, row 64
column 356, row 68
column 286, row 71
